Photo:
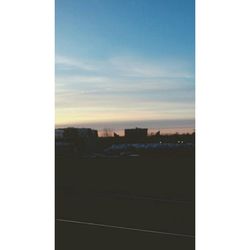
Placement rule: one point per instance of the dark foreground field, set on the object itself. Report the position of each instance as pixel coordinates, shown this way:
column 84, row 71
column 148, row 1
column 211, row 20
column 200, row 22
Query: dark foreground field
column 125, row 203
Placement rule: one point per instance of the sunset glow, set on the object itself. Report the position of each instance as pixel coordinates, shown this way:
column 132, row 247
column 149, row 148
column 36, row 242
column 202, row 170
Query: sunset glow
column 117, row 64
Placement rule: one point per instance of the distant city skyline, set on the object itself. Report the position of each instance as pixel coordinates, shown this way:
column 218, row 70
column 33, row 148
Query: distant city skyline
column 125, row 63
column 165, row 127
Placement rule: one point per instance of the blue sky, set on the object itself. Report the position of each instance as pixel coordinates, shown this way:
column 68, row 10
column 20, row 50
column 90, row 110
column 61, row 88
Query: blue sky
column 124, row 62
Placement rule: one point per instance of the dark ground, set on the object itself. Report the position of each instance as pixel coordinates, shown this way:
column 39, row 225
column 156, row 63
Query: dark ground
column 149, row 193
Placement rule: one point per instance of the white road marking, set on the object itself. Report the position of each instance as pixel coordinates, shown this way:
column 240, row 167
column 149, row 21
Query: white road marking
column 126, row 228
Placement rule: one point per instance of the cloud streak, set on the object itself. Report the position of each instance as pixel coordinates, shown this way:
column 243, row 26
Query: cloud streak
column 122, row 88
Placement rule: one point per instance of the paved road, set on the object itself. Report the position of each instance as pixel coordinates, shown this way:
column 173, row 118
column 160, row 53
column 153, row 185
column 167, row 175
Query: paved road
column 120, row 207
column 78, row 237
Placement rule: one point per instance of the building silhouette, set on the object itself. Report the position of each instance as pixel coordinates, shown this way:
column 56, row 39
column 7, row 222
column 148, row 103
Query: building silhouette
column 136, row 133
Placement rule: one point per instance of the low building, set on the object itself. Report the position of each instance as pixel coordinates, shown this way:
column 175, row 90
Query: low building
column 136, row 133
column 75, row 140
column 87, row 133
column 75, row 133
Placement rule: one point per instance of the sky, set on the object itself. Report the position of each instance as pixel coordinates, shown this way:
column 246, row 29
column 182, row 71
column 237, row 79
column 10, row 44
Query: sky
column 125, row 63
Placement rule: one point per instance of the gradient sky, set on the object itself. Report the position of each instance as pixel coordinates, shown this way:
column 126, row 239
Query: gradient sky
column 125, row 63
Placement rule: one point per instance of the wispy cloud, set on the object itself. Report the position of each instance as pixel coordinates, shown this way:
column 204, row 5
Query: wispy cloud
column 67, row 63
column 122, row 88
column 127, row 67
column 137, row 67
